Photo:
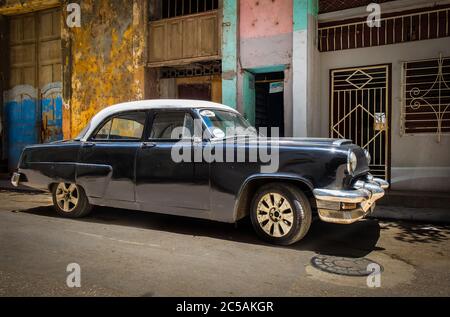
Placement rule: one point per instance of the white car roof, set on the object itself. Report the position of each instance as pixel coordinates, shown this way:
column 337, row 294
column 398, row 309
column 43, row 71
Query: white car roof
column 148, row 105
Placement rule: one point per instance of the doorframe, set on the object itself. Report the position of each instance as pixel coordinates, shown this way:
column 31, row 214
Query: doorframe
column 388, row 108
column 4, row 82
column 248, row 90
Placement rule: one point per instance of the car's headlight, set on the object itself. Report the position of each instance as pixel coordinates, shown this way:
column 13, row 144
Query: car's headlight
column 368, row 157
column 352, row 162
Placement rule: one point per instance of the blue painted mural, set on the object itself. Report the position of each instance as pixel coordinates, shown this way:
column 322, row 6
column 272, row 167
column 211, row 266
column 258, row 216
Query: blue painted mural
column 51, row 107
column 30, row 120
column 21, row 110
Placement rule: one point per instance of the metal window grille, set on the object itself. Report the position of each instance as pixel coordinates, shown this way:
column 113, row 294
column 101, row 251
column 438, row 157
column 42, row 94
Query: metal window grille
column 338, row 5
column 209, row 69
column 176, row 8
column 426, row 96
column 415, row 26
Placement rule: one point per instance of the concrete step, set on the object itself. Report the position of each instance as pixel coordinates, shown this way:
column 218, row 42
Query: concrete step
column 414, row 199
column 429, row 215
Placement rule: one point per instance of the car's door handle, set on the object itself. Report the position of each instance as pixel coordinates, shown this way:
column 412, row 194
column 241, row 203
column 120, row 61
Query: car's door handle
column 89, row 144
column 148, row 145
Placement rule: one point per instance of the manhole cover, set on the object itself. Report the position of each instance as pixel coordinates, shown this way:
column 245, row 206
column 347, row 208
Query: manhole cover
column 344, row 266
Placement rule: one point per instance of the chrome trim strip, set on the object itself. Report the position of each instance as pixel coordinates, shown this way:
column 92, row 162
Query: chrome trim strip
column 341, row 141
column 345, row 196
column 381, row 182
column 15, row 179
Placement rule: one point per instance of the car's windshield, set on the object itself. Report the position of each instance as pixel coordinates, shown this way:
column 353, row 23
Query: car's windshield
column 226, row 124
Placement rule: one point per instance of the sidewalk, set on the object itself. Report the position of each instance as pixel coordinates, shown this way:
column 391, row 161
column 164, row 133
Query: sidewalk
column 432, row 215
column 414, row 206
column 5, row 184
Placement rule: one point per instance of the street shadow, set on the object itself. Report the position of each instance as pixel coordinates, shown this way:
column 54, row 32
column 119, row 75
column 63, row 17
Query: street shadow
column 21, row 191
column 356, row 240
column 413, row 232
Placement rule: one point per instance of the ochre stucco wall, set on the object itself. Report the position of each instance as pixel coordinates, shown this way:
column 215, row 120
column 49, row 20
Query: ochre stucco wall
column 104, row 58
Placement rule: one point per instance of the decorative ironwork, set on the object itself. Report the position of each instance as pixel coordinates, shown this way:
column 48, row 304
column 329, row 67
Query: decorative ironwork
column 360, row 111
column 167, row 9
column 337, row 5
column 397, row 28
column 426, row 96
column 357, row 83
column 194, row 70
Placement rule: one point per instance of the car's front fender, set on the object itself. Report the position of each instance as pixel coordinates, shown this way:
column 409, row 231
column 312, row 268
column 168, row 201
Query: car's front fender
column 251, row 183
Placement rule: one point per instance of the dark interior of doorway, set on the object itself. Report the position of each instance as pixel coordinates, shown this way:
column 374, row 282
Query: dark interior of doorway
column 195, row 91
column 269, row 106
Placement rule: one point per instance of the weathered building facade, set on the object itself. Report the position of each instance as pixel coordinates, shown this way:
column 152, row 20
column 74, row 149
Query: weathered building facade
column 311, row 68
column 56, row 77
column 387, row 88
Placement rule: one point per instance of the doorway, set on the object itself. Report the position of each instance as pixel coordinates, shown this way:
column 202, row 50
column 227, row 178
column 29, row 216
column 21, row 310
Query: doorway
column 33, row 103
column 360, row 111
column 269, row 101
column 194, row 91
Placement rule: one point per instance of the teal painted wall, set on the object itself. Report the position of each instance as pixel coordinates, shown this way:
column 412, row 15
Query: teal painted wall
column 229, row 53
column 301, row 10
column 268, row 69
column 248, row 96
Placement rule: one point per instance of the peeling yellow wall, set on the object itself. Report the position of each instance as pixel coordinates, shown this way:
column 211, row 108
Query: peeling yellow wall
column 11, row 7
column 106, row 59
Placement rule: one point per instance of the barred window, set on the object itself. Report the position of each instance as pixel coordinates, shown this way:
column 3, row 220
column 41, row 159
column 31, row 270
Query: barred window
column 412, row 25
column 167, row 9
column 426, row 96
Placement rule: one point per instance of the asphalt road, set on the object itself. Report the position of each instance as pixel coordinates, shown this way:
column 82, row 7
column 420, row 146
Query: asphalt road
column 128, row 253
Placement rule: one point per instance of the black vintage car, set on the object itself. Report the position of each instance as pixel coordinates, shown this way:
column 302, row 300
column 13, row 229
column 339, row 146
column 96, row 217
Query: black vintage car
column 162, row 156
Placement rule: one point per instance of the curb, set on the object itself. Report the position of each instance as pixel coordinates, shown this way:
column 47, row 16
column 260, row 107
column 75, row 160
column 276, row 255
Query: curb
column 7, row 186
column 432, row 215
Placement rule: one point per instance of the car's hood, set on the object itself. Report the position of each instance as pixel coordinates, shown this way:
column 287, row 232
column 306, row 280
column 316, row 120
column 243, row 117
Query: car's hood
column 310, row 141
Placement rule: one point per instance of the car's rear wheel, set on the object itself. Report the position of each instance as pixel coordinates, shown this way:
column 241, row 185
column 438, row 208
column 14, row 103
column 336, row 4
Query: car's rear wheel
column 281, row 213
column 70, row 200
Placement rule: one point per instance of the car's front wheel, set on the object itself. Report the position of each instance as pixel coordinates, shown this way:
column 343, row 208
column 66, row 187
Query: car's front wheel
column 70, row 200
column 281, row 213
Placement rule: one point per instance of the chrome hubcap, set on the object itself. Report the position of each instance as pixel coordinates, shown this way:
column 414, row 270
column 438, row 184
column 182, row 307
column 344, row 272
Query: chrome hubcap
column 275, row 215
column 67, row 196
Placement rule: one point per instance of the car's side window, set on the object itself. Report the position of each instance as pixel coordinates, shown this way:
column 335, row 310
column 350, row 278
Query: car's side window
column 128, row 127
column 173, row 125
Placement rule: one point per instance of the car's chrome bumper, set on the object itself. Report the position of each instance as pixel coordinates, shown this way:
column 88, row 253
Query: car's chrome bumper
column 348, row 206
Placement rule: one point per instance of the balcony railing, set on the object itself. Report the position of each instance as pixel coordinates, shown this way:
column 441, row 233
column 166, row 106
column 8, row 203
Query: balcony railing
column 185, row 39
column 394, row 29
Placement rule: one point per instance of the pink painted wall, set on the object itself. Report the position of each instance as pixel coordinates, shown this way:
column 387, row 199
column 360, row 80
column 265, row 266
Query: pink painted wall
column 263, row 18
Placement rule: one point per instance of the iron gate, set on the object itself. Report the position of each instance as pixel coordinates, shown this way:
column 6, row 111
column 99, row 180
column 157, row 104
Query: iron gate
column 360, row 110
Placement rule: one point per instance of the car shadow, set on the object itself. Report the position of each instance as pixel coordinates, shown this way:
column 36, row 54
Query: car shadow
column 356, row 240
